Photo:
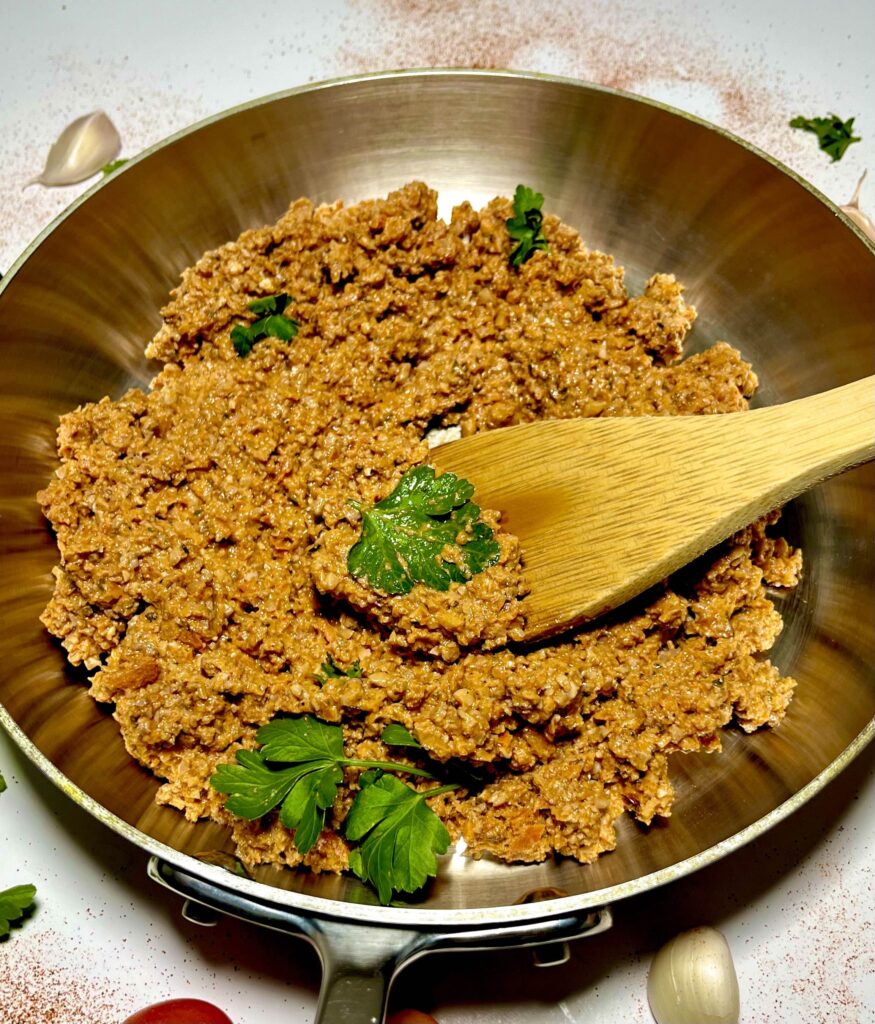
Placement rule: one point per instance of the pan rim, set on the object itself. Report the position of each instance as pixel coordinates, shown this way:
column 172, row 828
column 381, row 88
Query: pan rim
column 413, row 916
column 412, row 73
column 366, row 913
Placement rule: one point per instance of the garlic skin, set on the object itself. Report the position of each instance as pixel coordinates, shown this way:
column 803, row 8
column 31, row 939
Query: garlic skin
column 81, row 150
column 852, row 210
column 692, row 980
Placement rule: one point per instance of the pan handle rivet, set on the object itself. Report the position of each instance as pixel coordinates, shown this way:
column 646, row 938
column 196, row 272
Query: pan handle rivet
column 551, row 954
column 197, row 913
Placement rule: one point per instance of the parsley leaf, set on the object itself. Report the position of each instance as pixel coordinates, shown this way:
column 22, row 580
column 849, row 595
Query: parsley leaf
column 329, row 669
column 14, row 903
column 395, row 735
column 400, row 836
column 405, row 535
column 254, row 788
column 306, row 789
column 833, row 134
column 304, row 810
column 271, row 325
column 113, row 165
column 304, row 792
column 525, row 225
column 295, row 740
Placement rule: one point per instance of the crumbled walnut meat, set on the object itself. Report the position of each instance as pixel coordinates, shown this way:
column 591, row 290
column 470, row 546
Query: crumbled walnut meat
column 203, row 529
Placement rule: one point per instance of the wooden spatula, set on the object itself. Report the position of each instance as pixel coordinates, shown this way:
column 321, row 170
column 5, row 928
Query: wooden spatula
column 605, row 508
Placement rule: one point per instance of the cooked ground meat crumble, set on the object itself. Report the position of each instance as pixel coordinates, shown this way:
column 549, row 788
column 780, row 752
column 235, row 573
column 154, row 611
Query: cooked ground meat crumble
column 203, row 529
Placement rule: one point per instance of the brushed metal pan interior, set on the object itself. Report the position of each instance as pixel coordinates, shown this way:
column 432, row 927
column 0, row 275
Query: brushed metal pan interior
column 770, row 265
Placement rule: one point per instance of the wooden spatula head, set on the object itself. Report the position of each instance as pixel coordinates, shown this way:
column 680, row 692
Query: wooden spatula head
column 605, row 508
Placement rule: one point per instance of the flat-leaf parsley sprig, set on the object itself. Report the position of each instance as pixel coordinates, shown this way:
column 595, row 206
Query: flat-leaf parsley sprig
column 525, row 225
column 833, row 134
column 298, row 769
column 405, row 535
column 272, row 324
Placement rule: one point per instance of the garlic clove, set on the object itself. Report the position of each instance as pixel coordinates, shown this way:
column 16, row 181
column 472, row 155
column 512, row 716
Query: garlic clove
column 692, row 980
column 81, row 150
column 852, row 209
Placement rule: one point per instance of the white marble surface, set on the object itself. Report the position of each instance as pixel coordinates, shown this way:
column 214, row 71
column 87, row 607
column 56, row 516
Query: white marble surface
column 797, row 905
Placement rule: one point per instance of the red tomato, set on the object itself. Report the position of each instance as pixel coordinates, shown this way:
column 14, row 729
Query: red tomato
column 179, row 1011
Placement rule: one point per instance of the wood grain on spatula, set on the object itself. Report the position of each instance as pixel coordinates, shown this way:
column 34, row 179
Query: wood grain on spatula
column 605, row 508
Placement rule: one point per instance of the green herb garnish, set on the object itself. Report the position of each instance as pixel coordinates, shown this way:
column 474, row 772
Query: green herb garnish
column 405, row 535
column 833, row 134
column 113, row 165
column 395, row 735
column 14, row 903
column 525, row 225
column 298, row 769
column 329, row 669
column 400, row 835
column 271, row 325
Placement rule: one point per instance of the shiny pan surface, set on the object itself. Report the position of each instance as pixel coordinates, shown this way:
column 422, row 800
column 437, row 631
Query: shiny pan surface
column 771, row 266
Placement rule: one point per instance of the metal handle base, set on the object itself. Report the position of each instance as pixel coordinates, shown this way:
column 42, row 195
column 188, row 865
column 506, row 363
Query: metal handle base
column 359, row 961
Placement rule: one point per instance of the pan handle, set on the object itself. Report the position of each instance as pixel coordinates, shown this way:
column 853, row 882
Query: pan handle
column 359, row 961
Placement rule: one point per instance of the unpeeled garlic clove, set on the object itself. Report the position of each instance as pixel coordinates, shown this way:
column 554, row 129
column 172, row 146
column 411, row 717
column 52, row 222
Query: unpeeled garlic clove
column 692, row 980
column 82, row 148
column 852, row 210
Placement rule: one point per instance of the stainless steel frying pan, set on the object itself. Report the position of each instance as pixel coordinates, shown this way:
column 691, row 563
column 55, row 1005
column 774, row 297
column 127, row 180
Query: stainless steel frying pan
column 771, row 266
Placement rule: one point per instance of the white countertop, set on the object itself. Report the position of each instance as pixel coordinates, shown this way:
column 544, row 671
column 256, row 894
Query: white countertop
column 797, row 905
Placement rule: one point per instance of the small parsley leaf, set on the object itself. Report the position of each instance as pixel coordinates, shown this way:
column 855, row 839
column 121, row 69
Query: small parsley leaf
column 2, row 783
column 329, row 669
column 400, row 836
column 305, row 808
column 525, row 225
column 270, row 303
column 274, row 324
column 14, row 903
column 833, row 134
column 303, row 791
column 405, row 535
column 396, row 735
column 296, row 740
column 113, row 165
column 253, row 787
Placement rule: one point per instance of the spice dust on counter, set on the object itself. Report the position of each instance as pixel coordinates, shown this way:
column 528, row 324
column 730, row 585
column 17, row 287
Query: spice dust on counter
column 593, row 43
column 43, row 981
column 831, row 950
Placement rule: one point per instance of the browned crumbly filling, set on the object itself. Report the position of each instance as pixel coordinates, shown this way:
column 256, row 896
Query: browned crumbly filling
column 203, row 529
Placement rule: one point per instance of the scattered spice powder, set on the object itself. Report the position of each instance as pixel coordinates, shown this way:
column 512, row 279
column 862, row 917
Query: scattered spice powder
column 43, row 981
column 595, row 43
